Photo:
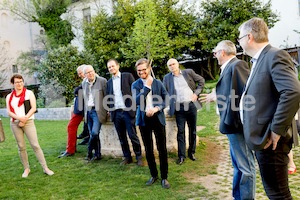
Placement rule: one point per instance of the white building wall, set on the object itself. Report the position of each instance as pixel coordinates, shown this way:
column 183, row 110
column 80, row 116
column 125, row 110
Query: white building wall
column 75, row 16
column 16, row 36
column 282, row 35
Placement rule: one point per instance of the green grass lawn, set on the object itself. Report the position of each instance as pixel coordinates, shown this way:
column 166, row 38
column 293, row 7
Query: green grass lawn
column 74, row 178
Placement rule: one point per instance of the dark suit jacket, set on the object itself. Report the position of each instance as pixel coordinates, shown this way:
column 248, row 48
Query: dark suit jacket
column 276, row 91
column 194, row 81
column 229, row 90
column 159, row 95
column 78, row 103
column 126, row 81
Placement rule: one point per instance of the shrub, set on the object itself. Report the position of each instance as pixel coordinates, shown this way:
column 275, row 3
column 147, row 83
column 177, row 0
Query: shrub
column 2, row 102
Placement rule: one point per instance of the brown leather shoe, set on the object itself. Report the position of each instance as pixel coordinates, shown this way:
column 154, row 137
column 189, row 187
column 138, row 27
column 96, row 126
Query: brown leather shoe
column 140, row 162
column 126, row 161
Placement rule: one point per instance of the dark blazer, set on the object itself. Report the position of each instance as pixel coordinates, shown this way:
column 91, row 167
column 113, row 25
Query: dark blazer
column 229, row 90
column 78, row 104
column 126, row 81
column 159, row 95
column 276, row 91
column 194, row 81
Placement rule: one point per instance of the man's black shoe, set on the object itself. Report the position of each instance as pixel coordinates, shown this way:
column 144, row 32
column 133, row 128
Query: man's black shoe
column 192, row 157
column 95, row 158
column 84, row 141
column 151, row 180
column 82, row 135
column 180, row 160
column 165, row 184
column 65, row 154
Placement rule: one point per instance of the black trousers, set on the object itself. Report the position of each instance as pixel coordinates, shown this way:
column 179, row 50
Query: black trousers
column 124, row 122
column 273, row 167
column 153, row 124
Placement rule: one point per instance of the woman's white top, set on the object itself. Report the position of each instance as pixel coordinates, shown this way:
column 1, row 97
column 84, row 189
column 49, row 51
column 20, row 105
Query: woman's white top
column 20, row 111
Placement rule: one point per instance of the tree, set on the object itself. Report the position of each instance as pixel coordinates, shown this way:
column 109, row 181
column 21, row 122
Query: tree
column 47, row 14
column 149, row 37
column 114, row 36
column 56, row 71
column 4, row 60
column 220, row 19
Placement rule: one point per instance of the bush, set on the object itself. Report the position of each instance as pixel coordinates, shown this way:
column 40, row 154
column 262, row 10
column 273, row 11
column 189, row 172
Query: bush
column 56, row 104
column 2, row 103
column 40, row 103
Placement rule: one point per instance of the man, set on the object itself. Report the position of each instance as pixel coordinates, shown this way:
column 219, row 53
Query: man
column 268, row 106
column 149, row 95
column 76, row 119
column 184, row 87
column 94, row 89
column 229, row 89
column 121, row 113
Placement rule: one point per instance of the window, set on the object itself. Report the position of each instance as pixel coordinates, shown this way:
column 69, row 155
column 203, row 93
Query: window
column 4, row 19
column 86, row 14
column 299, row 7
column 15, row 69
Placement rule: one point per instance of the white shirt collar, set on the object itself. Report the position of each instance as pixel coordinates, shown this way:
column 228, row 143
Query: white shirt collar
column 225, row 64
column 118, row 75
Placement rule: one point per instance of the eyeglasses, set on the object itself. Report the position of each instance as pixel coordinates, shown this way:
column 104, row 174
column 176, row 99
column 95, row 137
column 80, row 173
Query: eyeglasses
column 142, row 70
column 18, row 82
column 89, row 72
column 242, row 37
column 216, row 52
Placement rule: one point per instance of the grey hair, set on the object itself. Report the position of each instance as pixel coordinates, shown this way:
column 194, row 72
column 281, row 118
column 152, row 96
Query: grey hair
column 258, row 28
column 80, row 68
column 86, row 67
column 228, row 47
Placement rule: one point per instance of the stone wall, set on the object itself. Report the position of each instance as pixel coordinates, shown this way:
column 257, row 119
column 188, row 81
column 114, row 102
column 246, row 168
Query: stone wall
column 47, row 113
column 110, row 144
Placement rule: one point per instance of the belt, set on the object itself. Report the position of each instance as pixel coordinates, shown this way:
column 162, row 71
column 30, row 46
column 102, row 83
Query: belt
column 91, row 108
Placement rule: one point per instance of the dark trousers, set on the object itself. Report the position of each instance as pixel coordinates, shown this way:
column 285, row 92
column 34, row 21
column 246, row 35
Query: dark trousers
column 153, row 124
column 124, row 122
column 273, row 167
column 186, row 114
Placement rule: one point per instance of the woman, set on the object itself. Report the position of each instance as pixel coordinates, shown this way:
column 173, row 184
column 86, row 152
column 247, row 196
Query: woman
column 19, row 100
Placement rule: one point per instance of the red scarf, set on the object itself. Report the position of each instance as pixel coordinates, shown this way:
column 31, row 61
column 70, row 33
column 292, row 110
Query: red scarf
column 21, row 101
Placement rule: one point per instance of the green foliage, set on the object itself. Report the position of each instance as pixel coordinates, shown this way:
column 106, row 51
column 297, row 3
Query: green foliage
column 169, row 29
column 40, row 103
column 2, row 102
column 58, row 74
column 220, row 19
column 59, row 31
column 56, row 104
column 149, row 37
